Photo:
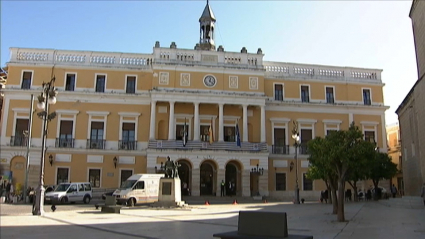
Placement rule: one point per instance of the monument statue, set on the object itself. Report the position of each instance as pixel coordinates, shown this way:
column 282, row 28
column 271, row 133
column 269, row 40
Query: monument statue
column 169, row 168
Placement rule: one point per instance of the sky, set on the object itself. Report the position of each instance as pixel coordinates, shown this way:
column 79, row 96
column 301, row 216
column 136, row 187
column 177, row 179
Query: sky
column 366, row 34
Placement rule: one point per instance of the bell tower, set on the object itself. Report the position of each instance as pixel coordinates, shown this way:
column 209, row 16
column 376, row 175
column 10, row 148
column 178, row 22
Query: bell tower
column 207, row 27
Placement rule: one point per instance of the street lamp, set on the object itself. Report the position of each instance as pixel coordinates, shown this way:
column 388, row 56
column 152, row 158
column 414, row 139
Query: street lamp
column 47, row 96
column 296, row 137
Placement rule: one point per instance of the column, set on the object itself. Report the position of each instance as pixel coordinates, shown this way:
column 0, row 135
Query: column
column 171, row 133
column 245, row 123
column 196, row 124
column 152, row 123
column 263, row 124
column 220, row 123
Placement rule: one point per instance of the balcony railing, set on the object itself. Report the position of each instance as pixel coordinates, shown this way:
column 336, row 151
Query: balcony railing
column 96, row 144
column 64, row 143
column 280, row 149
column 303, row 149
column 127, row 145
column 18, row 140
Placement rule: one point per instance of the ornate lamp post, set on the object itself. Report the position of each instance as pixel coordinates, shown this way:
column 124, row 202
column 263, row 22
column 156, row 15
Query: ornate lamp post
column 296, row 137
column 47, row 96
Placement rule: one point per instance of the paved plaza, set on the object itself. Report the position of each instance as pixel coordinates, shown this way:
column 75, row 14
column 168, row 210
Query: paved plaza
column 364, row 220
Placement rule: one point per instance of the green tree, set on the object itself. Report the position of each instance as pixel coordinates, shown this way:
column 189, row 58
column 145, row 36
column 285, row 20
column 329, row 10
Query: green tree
column 381, row 167
column 339, row 153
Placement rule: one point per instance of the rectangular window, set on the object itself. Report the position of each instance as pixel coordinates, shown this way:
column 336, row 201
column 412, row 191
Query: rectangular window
column 100, row 83
column 139, row 185
column 279, row 146
column 96, row 140
column 330, row 95
column 62, row 175
column 369, row 136
column 307, row 183
column 366, row 97
column 21, row 130
column 70, row 82
column 65, row 134
column 128, row 132
column 131, row 85
column 94, row 177
column 278, row 92
column 125, row 174
column 306, row 135
column 280, row 181
column 26, row 80
column 305, row 93
column 330, row 130
column 229, row 134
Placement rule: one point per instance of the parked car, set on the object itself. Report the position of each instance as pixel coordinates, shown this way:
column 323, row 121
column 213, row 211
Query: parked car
column 70, row 192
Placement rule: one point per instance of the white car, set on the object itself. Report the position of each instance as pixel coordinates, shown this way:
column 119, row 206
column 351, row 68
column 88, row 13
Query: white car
column 70, row 192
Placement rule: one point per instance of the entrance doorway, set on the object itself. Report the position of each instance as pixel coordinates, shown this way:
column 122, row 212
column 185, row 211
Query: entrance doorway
column 254, row 177
column 207, row 178
column 185, row 175
column 233, row 180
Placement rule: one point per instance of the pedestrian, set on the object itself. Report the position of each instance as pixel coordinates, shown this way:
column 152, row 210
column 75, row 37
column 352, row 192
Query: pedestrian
column 423, row 193
column 393, row 191
column 8, row 187
column 185, row 188
column 321, row 196
column 223, row 186
column 326, row 196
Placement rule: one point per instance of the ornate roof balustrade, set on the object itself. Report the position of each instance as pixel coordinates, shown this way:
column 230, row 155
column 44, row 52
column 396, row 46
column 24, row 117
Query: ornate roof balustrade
column 304, row 71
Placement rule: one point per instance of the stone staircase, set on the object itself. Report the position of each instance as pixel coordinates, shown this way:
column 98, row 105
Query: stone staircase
column 404, row 202
column 199, row 145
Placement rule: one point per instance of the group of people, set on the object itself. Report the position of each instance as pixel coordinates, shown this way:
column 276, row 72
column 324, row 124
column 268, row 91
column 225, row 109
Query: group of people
column 7, row 189
column 230, row 190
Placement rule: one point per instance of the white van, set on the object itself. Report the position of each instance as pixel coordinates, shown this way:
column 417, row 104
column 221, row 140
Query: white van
column 138, row 188
column 70, row 192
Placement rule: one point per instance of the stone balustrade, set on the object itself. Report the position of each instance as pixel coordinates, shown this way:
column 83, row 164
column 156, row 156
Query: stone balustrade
column 280, row 70
column 64, row 57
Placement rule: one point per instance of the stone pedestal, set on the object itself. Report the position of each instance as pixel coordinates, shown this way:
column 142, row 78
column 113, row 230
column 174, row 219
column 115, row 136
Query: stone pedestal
column 169, row 193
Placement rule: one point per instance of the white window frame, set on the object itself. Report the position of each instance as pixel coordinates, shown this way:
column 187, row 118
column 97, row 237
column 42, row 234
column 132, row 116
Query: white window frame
column 60, row 114
column 125, row 86
column 284, row 121
column 274, row 90
column 135, row 121
column 311, row 122
column 56, row 173
column 95, row 81
column 104, row 114
column 88, row 175
column 375, row 129
column 17, row 111
column 309, row 93
column 333, row 92
column 119, row 176
column 75, row 82
column 370, row 92
column 326, row 124
column 22, row 78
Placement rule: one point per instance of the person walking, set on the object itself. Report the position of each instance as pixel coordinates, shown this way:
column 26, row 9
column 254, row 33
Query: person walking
column 8, row 187
column 223, row 186
column 393, row 191
column 423, row 193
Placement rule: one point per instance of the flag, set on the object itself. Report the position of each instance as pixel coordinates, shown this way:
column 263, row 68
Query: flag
column 238, row 136
column 184, row 133
column 211, row 134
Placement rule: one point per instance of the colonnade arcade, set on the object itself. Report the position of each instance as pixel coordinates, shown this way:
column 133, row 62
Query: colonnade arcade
column 197, row 101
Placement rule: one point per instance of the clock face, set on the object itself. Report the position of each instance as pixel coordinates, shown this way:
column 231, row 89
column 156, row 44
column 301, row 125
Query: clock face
column 210, row 81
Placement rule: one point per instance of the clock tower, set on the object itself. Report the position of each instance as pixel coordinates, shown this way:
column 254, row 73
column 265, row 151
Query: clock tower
column 207, row 27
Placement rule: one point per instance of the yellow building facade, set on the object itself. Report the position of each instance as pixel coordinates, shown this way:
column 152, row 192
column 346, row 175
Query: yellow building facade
column 135, row 108
column 394, row 151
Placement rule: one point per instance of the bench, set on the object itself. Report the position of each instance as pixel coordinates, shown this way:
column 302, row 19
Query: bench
column 110, row 205
column 261, row 225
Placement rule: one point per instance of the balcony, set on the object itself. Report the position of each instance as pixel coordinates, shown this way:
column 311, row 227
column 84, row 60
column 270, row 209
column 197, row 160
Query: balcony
column 127, row 145
column 199, row 145
column 96, row 143
column 302, row 149
column 280, row 149
column 64, row 143
column 19, row 140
